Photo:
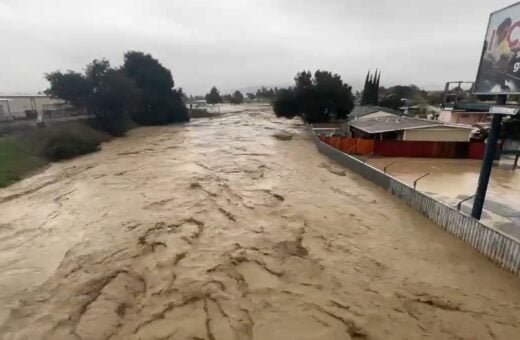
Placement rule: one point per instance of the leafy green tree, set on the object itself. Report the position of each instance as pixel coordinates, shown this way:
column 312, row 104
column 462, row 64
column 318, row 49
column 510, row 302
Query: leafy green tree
column 160, row 102
column 285, row 104
column 96, row 70
column 142, row 89
column 116, row 99
column 315, row 99
column 237, row 98
column 213, row 97
column 105, row 92
column 266, row 94
column 70, row 86
column 391, row 101
column 434, row 98
column 250, row 96
column 226, row 98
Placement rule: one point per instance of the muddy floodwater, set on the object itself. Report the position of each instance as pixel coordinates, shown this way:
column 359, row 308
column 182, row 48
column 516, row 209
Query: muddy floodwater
column 452, row 180
column 234, row 227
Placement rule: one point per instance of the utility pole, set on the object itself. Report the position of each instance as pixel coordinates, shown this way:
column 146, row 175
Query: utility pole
column 487, row 162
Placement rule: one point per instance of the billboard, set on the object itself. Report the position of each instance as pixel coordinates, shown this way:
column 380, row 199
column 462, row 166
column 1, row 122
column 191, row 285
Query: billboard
column 499, row 70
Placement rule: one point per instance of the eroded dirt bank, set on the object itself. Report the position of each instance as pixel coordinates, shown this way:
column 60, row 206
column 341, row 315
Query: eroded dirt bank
column 220, row 230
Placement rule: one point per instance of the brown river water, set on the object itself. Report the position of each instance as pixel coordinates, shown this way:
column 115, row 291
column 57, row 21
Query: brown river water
column 227, row 228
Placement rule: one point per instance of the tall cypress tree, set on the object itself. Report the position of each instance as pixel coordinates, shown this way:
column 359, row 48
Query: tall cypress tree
column 365, row 88
column 371, row 90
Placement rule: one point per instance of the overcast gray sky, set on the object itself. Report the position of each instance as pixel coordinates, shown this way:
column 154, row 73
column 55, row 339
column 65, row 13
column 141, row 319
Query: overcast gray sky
column 237, row 44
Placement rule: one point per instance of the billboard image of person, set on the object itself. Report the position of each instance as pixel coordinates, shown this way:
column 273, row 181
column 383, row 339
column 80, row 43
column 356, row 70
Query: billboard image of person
column 499, row 70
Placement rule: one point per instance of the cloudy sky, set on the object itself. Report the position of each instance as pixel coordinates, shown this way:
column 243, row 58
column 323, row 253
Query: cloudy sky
column 242, row 43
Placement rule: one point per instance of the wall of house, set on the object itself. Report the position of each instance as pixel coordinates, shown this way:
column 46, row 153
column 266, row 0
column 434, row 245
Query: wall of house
column 461, row 117
column 469, row 118
column 445, row 116
column 438, row 135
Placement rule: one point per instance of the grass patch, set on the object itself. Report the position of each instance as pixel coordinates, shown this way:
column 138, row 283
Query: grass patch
column 16, row 160
column 23, row 154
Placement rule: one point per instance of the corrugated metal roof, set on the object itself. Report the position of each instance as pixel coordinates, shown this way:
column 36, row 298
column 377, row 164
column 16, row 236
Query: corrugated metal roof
column 398, row 123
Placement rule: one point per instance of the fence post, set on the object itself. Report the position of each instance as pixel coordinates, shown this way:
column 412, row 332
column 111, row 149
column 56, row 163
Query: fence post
column 418, row 179
column 388, row 165
column 459, row 205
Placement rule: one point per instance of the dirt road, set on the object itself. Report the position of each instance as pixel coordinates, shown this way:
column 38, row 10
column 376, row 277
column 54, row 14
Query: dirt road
column 228, row 228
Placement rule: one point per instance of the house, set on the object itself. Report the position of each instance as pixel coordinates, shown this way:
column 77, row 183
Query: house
column 368, row 111
column 466, row 113
column 404, row 128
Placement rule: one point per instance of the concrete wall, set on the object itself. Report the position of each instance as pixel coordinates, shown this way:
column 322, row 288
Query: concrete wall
column 501, row 248
column 438, row 135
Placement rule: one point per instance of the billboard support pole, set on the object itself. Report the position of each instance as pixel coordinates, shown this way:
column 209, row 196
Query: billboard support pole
column 487, row 162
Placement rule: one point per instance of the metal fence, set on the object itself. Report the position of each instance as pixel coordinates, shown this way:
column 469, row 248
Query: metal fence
column 503, row 249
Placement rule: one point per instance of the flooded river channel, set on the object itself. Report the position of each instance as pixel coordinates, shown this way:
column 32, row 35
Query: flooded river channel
column 233, row 227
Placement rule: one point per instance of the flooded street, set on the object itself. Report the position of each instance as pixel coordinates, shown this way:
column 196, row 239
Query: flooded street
column 228, row 228
column 452, row 180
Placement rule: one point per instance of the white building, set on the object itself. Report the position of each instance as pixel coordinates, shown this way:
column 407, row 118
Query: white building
column 31, row 106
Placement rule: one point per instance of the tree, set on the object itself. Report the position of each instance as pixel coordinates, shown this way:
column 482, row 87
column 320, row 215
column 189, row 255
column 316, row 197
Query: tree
column 391, row 101
column 315, row 99
column 285, row 104
column 183, row 95
column 160, row 102
column 434, row 98
column 371, row 89
column 70, row 86
column 116, row 98
column 142, row 89
column 96, row 70
column 213, row 97
column 266, row 94
column 237, row 98
column 226, row 98
column 250, row 95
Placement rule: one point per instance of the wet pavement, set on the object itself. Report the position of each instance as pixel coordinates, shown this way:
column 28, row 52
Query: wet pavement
column 234, row 227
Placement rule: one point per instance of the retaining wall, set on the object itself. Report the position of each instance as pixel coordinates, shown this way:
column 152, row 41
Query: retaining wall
column 503, row 249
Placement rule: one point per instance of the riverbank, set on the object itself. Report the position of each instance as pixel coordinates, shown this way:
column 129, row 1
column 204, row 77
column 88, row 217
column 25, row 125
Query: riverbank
column 32, row 148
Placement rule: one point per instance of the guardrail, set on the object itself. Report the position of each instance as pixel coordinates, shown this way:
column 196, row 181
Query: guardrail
column 501, row 248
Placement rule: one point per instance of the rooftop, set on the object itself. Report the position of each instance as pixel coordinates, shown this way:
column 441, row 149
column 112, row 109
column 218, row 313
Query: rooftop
column 398, row 123
column 363, row 110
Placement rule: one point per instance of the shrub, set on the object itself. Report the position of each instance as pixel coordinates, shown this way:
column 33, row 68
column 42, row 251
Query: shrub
column 66, row 141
